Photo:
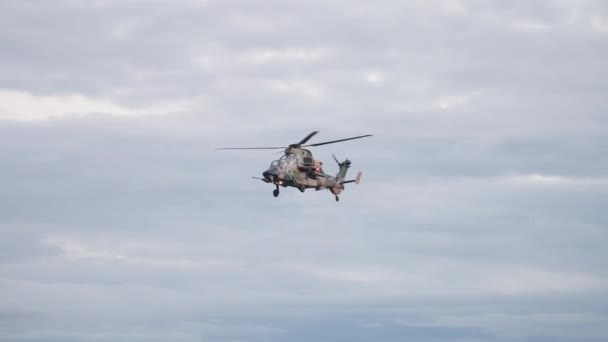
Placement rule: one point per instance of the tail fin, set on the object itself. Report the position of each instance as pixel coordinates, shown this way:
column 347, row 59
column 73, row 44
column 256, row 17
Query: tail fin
column 356, row 180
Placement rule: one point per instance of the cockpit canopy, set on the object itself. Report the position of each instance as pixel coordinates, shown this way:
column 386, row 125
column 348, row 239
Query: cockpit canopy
column 298, row 156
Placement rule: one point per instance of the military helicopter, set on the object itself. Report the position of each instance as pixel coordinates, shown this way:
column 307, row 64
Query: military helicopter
column 297, row 168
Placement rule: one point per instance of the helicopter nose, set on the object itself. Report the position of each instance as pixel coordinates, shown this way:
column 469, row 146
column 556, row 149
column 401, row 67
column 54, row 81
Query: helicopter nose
column 270, row 174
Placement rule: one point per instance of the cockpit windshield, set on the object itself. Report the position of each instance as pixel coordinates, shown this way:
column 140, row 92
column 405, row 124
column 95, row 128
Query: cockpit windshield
column 279, row 162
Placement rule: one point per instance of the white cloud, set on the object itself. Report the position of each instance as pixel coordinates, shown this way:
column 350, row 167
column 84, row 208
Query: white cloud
column 288, row 55
column 121, row 30
column 253, row 23
column 22, row 106
column 450, row 101
column 599, row 24
column 537, row 178
column 374, row 77
column 529, row 25
column 76, row 250
column 370, row 275
column 218, row 59
column 524, row 281
column 454, row 7
column 304, row 88
column 548, row 180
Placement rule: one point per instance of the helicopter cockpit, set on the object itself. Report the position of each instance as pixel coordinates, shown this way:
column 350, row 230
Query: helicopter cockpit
column 278, row 163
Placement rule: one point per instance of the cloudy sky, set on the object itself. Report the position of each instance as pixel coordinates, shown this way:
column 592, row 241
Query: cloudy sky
column 481, row 215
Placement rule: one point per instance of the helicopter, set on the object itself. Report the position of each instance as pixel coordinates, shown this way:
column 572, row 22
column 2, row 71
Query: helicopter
column 297, row 168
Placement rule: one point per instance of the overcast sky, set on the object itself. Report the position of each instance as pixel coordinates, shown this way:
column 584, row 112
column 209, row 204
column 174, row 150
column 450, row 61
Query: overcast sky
column 481, row 215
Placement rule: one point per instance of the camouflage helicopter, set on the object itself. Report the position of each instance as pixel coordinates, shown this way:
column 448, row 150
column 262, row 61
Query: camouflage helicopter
column 297, row 168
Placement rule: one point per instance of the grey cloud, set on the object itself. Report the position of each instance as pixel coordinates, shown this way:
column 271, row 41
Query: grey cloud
column 479, row 216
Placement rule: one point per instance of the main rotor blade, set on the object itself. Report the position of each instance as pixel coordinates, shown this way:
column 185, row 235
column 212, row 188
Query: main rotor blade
column 335, row 141
column 303, row 141
column 251, row 148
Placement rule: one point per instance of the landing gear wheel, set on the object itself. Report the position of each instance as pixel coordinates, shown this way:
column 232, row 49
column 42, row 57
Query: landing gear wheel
column 275, row 192
column 302, row 188
column 337, row 199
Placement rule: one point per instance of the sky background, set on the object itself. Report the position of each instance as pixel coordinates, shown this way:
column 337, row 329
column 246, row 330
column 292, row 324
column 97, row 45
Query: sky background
column 481, row 215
